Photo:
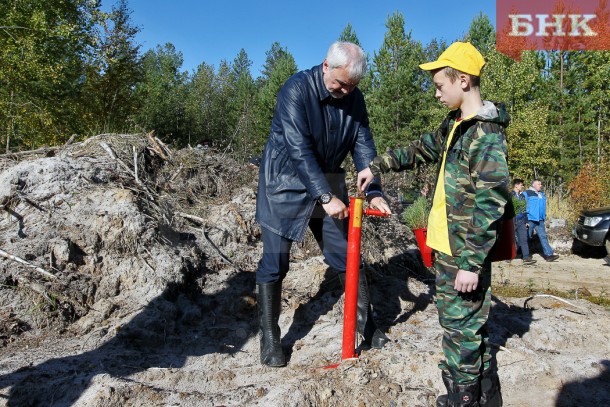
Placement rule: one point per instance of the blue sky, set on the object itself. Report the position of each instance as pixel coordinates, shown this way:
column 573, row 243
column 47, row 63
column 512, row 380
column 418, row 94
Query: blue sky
column 210, row 31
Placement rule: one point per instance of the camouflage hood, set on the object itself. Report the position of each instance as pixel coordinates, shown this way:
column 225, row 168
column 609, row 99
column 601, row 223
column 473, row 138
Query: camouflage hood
column 492, row 112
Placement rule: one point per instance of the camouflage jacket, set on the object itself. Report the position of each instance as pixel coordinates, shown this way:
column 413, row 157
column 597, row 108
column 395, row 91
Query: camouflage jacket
column 476, row 178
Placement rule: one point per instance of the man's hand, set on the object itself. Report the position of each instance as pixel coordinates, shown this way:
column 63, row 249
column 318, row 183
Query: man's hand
column 466, row 281
column 336, row 208
column 381, row 204
column 365, row 177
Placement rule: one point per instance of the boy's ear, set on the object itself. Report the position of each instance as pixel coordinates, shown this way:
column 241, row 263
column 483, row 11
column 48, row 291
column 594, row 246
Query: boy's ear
column 464, row 80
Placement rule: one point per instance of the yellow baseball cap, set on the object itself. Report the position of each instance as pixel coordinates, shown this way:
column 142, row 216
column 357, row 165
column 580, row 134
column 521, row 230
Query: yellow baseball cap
column 462, row 56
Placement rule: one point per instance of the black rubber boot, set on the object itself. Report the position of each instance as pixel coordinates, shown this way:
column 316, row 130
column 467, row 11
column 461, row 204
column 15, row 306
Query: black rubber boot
column 443, row 401
column 491, row 395
column 459, row 394
column 365, row 324
column 269, row 307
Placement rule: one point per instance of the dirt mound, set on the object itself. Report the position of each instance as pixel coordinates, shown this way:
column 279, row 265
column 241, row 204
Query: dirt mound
column 127, row 278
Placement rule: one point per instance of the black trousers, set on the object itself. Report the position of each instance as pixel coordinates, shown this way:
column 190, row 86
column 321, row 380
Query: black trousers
column 331, row 235
column 521, row 234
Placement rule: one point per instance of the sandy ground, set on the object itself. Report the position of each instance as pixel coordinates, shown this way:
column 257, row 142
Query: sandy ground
column 550, row 353
column 152, row 310
column 569, row 273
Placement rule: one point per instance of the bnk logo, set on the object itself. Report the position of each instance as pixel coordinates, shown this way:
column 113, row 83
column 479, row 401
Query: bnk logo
column 551, row 25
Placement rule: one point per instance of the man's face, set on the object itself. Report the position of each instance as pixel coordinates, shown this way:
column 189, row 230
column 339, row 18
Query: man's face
column 537, row 185
column 519, row 187
column 337, row 81
column 448, row 93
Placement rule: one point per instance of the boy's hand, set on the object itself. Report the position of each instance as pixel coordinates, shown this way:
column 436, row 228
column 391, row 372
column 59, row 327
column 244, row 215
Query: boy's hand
column 466, row 281
column 381, row 204
column 365, row 177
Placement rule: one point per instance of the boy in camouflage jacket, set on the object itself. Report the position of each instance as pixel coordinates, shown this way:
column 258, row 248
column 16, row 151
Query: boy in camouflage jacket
column 471, row 197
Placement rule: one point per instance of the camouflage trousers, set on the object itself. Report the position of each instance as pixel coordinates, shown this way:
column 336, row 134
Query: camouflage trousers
column 463, row 317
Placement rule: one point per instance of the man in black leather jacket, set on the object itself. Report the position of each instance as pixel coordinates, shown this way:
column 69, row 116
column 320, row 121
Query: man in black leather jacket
column 320, row 117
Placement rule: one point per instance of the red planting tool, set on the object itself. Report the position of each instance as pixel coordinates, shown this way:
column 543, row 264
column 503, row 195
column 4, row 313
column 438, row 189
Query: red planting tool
column 354, row 234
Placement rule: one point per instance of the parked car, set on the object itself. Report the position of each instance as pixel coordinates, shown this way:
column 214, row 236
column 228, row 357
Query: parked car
column 592, row 228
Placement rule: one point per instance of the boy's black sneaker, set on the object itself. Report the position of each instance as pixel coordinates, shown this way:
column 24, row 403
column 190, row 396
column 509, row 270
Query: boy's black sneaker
column 552, row 257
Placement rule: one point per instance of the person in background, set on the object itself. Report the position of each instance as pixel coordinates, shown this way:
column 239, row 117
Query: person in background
column 320, row 117
column 470, row 199
column 536, row 215
column 521, row 220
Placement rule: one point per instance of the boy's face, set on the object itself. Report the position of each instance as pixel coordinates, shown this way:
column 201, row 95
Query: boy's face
column 449, row 93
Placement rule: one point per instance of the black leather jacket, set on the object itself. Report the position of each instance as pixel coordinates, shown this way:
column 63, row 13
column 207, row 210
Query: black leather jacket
column 311, row 134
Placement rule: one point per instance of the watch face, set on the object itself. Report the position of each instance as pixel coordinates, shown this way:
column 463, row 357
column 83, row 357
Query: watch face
column 326, row 198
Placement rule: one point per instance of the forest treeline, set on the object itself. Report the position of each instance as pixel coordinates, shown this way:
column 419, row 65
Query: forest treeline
column 68, row 68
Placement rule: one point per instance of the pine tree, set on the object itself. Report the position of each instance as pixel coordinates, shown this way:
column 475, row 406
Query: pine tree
column 241, row 105
column 279, row 66
column 162, row 94
column 113, row 73
column 482, row 34
column 348, row 34
column 396, row 96
column 201, row 105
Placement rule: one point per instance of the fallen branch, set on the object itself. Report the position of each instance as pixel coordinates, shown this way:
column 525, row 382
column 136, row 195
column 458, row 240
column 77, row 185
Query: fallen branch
column 157, row 146
column 36, row 151
column 70, row 140
column 220, row 253
column 135, row 163
column 197, row 219
column 173, row 177
column 164, row 148
column 556, row 298
column 27, row 264
column 201, row 221
column 127, row 168
column 32, row 203
column 111, row 153
column 146, row 263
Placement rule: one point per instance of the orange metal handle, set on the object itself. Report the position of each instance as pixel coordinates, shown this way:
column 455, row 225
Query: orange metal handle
column 375, row 212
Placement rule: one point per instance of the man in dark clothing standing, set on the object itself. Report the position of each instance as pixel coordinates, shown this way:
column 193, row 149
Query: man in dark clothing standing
column 320, row 117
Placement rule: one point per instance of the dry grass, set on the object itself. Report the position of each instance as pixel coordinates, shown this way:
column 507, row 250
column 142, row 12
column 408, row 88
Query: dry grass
column 558, row 207
column 517, row 291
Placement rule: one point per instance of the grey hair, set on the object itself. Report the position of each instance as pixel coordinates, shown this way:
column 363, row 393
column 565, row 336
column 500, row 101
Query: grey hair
column 348, row 55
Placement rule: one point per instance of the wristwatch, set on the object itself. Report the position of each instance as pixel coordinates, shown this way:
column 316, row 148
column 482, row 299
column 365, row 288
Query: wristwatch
column 325, row 198
column 475, row 269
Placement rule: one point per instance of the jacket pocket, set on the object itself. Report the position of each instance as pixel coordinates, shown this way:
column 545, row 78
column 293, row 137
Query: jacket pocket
column 279, row 173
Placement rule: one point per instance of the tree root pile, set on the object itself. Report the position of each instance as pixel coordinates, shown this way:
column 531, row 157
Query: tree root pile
column 90, row 230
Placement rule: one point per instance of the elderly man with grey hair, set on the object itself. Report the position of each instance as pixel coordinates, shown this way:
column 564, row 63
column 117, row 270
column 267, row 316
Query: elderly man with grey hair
column 320, row 117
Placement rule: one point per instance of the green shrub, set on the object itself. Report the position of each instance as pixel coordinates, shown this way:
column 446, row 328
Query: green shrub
column 519, row 204
column 415, row 215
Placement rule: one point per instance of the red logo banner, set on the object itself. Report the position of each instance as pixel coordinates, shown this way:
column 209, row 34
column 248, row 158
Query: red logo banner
column 552, row 25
